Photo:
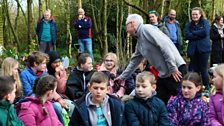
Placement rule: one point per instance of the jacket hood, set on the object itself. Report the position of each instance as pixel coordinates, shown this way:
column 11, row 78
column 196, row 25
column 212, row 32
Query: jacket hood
column 5, row 104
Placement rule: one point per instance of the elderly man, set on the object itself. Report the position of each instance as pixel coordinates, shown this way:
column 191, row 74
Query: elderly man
column 83, row 26
column 158, row 49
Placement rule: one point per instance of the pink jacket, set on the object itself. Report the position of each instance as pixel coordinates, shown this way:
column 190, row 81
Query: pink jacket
column 216, row 109
column 33, row 113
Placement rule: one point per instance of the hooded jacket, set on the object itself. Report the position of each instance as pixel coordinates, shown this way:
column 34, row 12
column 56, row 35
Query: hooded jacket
column 183, row 112
column 8, row 115
column 149, row 112
column 32, row 112
column 77, row 82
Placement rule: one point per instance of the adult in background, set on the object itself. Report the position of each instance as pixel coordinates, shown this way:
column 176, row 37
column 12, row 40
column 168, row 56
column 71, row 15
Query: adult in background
column 83, row 25
column 158, row 49
column 173, row 27
column 46, row 31
column 155, row 21
column 217, row 37
column 198, row 33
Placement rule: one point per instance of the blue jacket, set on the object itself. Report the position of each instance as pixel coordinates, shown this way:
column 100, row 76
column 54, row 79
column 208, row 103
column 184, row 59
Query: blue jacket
column 198, row 36
column 53, row 27
column 27, row 78
column 80, row 116
column 150, row 112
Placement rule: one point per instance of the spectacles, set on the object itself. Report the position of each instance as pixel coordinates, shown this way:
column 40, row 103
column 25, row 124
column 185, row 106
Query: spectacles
column 109, row 61
column 128, row 23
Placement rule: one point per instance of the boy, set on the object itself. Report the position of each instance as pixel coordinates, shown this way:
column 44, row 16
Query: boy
column 8, row 116
column 145, row 108
column 97, row 108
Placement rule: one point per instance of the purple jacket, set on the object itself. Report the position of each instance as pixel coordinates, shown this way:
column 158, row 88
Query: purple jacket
column 183, row 112
column 216, row 107
column 33, row 113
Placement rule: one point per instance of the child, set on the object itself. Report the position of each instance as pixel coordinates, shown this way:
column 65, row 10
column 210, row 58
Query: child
column 216, row 104
column 36, row 66
column 187, row 108
column 145, row 108
column 111, row 68
column 10, row 68
column 8, row 115
column 97, row 108
column 39, row 110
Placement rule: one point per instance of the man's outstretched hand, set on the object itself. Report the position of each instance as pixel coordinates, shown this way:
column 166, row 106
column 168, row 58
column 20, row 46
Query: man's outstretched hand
column 177, row 75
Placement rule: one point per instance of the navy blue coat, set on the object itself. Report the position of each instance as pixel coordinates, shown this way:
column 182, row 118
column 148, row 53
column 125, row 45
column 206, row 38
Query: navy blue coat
column 198, row 36
column 53, row 28
column 80, row 116
column 150, row 112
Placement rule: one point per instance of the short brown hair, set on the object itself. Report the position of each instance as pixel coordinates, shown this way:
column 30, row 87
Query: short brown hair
column 142, row 77
column 6, row 85
column 37, row 57
column 99, row 77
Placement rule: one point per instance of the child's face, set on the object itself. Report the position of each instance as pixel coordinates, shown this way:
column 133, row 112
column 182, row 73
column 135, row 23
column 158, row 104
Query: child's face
column 42, row 66
column 189, row 89
column 109, row 62
column 217, row 80
column 11, row 96
column 55, row 64
column 144, row 90
column 99, row 91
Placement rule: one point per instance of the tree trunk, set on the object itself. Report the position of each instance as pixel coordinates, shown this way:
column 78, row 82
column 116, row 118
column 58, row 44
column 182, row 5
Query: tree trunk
column 24, row 15
column 79, row 3
column 17, row 17
column 105, row 48
column 162, row 9
column 117, row 30
column 69, row 35
column 11, row 27
column 189, row 10
column 1, row 27
column 213, row 10
column 30, row 19
column 129, row 39
column 40, row 9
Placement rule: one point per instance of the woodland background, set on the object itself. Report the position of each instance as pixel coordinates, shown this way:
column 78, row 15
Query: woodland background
column 18, row 21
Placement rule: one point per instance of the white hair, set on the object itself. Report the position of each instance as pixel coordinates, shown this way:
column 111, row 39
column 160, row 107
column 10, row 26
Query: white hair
column 134, row 17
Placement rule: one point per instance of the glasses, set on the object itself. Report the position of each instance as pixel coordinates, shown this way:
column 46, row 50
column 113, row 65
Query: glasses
column 109, row 61
column 128, row 23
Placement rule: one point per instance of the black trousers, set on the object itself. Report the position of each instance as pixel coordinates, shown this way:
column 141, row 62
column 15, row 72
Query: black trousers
column 167, row 87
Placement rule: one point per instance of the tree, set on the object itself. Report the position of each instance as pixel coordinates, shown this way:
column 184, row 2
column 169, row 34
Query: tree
column 1, row 27
column 30, row 20
column 69, row 35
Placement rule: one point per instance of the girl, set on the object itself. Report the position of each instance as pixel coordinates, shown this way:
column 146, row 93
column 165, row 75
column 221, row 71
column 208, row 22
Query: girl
column 39, row 110
column 55, row 68
column 187, row 108
column 216, row 104
column 111, row 68
column 10, row 68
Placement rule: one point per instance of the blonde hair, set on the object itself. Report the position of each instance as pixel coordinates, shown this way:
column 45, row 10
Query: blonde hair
column 220, row 71
column 47, row 11
column 142, row 77
column 114, row 57
column 6, row 70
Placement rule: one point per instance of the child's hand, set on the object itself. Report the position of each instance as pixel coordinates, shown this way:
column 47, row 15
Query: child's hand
column 62, row 102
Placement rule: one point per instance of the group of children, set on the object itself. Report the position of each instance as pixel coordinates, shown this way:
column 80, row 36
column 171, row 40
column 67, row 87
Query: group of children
column 98, row 107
